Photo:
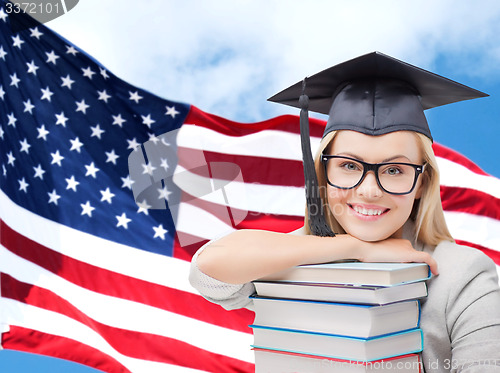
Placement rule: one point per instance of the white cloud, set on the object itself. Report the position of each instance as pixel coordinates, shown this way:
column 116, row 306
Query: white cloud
column 228, row 56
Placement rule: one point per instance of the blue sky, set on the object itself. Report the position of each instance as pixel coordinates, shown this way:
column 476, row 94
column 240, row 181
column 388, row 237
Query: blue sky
column 227, row 57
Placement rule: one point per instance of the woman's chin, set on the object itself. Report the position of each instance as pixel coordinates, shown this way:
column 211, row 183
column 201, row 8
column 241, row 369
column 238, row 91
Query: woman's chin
column 369, row 236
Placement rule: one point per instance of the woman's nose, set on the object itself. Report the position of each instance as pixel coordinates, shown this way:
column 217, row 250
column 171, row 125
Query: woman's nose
column 369, row 187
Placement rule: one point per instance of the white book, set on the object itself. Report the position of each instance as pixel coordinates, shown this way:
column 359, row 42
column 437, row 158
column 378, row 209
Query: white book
column 338, row 347
column 345, row 319
column 342, row 293
column 354, row 273
column 269, row 361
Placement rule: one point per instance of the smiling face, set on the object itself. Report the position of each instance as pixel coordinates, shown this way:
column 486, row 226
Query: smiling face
column 366, row 211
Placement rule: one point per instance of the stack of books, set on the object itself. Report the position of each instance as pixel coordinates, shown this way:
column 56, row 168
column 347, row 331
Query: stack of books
column 340, row 317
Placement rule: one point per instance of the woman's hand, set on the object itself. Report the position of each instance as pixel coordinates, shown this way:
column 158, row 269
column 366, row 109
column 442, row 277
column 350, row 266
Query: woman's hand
column 393, row 250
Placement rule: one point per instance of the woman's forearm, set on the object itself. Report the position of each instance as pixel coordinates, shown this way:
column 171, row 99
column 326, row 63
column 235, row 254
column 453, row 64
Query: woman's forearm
column 246, row 255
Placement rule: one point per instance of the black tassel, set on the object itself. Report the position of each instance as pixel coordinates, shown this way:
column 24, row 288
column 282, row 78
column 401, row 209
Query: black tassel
column 317, row 222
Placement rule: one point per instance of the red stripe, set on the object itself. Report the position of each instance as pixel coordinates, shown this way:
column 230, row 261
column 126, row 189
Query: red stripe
column 493, row 254
column 470, row 201
column 254, row 220
column 33, row 341
column 138, row 345
column 122, row 286
column 262, row 170
column 287, row 123
column 444, row 152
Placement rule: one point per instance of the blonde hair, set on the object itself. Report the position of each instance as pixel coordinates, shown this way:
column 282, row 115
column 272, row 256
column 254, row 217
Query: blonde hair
column 430, row 225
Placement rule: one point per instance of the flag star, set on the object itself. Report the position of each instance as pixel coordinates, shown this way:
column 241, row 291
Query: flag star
column 14, row 80
column 118, row 120
column 25, row 147
column 1, row 133
column 123, row 221
column 147, row 120
column 91, row 170
column 104, row 73
column 143, row 207
column 28, row 106
column 97, row 131
column 32, row 68
column 164, row 163
column 82, row 106
column 39, row 171
column 12, row 120
column 148, row 169
column 42, row 132
column 160, row 231
column 11, row 159
column 152, row 137
column 2, row 92
column 127, row 182
column 67, row 81
column 2, row 52
column 23, row 185
column 46, row 94
column 87, row 209
column 133, row 144
column 17, row 41
column 71, row 50
column 164, row 193
column 52, row 57
column 112, row 157
column 4, row 170
column 76, row 144
column 171, row 111
column 3, row 15
column 61, row 119
column 106, row 195
column 88, row 72
column 56, row 158
column 35, row 33
column 134, row 96
column 72, row 183
column 103, row 95
column 53, row 197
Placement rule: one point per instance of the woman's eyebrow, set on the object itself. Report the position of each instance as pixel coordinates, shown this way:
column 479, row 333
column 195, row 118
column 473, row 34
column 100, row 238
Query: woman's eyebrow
column 356, row 156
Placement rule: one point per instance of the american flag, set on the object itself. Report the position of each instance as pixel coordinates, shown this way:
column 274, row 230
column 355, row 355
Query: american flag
column 89, row 273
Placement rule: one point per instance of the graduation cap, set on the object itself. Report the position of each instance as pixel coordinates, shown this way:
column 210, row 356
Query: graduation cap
column 373, row 94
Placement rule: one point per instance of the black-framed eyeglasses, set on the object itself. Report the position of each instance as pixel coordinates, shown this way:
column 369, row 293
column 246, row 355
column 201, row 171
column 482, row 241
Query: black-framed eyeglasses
column 392, row 177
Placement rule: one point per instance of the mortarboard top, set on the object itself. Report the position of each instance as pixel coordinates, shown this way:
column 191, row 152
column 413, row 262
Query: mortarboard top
column 373, row 94
column 376, row 94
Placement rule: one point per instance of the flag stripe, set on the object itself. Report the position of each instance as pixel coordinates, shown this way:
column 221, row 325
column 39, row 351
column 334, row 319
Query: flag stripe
column 271, row 171
column 286, row 123
column 52, row 323
column 470, row 201
column 40, row 343
column 130, row 289
column 124, row 314
column 129, row 343
column 479, row 230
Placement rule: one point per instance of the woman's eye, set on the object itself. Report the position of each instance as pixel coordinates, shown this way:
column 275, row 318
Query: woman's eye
column 349, row 166
column 393, row 170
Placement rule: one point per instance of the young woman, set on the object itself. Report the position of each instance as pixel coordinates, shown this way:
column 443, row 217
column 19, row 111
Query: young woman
column 378, row 184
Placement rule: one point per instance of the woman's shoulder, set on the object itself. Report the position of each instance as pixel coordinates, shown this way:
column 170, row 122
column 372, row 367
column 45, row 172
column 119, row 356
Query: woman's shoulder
column 459, row 265
column 453, row 254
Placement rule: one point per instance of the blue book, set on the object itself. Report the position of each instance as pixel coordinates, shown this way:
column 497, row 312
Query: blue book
column 338, row 347
column 354, row 320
